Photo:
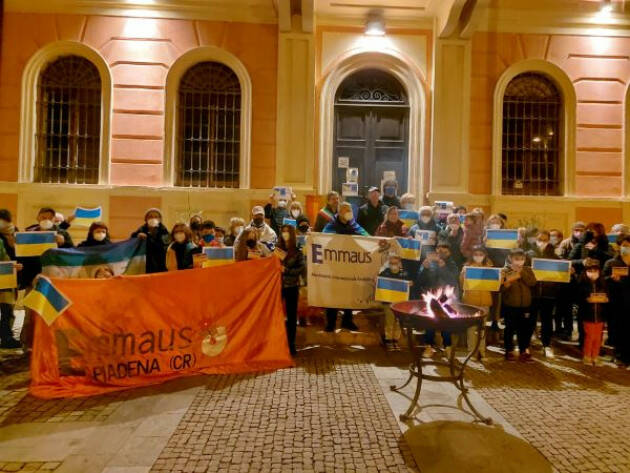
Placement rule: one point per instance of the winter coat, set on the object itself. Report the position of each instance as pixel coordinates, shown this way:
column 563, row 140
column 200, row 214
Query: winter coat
column 266, row 235
column 436, row 276
column 391, row 201
column 180, row 256
column 455, row 240
column 33, row 264
column 92, row 242
column 324, row 217
column 294, row 266
column 7, row 296
column 588, row 311
column 157, row 241
column 276, row 216
column 602, row 252
column 371, row 217
column 519, row 292
column 390, row 230
column 473, row 236
column 348, row 228
column 619, row 291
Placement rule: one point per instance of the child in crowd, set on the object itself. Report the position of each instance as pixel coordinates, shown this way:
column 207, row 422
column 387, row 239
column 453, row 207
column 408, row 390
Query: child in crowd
column 592, row 302
column 179, row 254
column 249, row 247
column 236, row 227
column 408, row 201
column 391, row 327
column 103, row 272
column 219, row 235
column 98, row 234
column 516, row 291
column 157, row 238
column 207, row 235
column 392, row 226
column 478, row 259
column 293, row 266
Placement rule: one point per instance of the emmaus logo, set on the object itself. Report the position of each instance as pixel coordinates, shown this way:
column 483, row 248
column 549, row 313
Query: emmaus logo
column 319, row 255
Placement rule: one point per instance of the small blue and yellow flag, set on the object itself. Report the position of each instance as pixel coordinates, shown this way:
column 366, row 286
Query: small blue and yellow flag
column 85, row 217
column 409, row 249
column 408, row 217
column 482, row 279
column 551, row 270
column 391, row 290
column 425, row 237
column 46, row 300
column 8, row 275
column 218, row 256
column 505, row 239
column 289, row 221
column 34, row 243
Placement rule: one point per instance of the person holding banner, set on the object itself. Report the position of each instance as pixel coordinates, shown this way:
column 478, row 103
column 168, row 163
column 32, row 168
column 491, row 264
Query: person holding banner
column 327, row 213
column 266, row 234
column 7, row 295
column 617, row 273
column 236, row 227
column 98, row 234
column 207, row 235
column 293, row 266
column 179, row 254
column 592, row 304
column 392, row 226
column 157, row 238
column 248, row 247
column 372, row 213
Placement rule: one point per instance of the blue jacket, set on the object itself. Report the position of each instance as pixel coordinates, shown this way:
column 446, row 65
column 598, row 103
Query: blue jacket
column 340, row 228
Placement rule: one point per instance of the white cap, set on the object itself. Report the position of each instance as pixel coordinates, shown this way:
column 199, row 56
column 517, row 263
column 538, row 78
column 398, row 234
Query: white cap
column 258, row 210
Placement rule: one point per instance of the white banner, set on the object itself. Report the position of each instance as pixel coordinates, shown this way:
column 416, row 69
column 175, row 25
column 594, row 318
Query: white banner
column 342, row 269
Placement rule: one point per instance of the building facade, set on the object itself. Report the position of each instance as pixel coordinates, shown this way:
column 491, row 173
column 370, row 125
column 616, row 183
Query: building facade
column 514, row 106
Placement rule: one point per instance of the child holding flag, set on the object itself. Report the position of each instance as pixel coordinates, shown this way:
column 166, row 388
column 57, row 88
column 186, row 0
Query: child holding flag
column 391, row 327
column 392, row 226
column 592, row 303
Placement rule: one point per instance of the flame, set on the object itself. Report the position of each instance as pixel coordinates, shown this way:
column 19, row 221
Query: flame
column 445, row 296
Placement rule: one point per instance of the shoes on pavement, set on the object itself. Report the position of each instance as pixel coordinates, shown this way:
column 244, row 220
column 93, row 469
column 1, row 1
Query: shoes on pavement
column 525, row 357
column 587, row 360
column 548, row 352
column 349, row 325
column 510, row 356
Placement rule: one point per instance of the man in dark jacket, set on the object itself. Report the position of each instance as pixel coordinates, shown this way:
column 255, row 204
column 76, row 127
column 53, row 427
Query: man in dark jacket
column 619, row 288
column 327, row 214
column 158, row 239
column 372, row 213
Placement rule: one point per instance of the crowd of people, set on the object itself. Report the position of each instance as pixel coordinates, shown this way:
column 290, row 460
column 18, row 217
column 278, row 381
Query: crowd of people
column 597, row 295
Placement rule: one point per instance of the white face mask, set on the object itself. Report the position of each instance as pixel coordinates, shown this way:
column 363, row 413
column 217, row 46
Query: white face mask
column 395, row 268
column 478, row 258
column 541, row 244
column 286, row 236
column 494, row 226
column 153, row 222
column 180, row 237
column 238, row 230
column 282, row 203
column 409, row 206
column 46, row 224
column 295, row 213
column 99, row 236
column 554, row 240
column 348, row 216
column 425, row 219
column 592, row 275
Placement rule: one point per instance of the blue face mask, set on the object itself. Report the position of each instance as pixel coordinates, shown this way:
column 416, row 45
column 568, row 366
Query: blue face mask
column 390, row 191
column 462, row 218
column 208, row 238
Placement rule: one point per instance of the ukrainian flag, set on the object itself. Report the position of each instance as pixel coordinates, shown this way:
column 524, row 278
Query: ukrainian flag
column 505, row 239
column 482, row 279
column 391, row 290
column 47, row 301
column 85, row 217
column 551, row 270
column 425, row 237
column 408, row 217
column 8, row 275
column 409, row 249
column 218, row 256
column 289, row 221
column 34, row 243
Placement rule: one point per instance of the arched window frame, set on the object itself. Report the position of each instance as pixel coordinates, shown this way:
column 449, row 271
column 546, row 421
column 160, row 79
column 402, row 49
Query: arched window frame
column 175, row 74
column 567, row 92
column 28, row 119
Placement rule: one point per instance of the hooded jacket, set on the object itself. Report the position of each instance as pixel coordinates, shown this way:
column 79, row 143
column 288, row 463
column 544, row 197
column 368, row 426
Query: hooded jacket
column 518, row 293
column 349, row 228
column 157, row 240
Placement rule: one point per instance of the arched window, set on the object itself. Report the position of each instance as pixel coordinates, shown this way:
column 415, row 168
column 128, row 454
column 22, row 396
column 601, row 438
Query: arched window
column 209, row 127
column 68, row 139
column 531, row 137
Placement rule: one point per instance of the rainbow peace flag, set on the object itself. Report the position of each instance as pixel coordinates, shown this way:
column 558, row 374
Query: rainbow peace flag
column 34, row 243
column 505, row 239
column 8, row 275
column 551, row 270
column 46, row 300
column 289, row 221
column 408, row 217
column 218, row 256
column 85, row 217
column 409, row 249
column 391, row 290
column 482, row 279
column 425, row 237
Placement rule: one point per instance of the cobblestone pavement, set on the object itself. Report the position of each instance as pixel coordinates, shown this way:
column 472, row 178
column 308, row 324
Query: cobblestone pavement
column 322, row 416
column 577, row 416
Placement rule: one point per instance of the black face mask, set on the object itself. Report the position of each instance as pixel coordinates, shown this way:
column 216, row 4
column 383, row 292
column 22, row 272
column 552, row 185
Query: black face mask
column 195, row 226
column 303, row 228
column 258, row 221
column 251, row 244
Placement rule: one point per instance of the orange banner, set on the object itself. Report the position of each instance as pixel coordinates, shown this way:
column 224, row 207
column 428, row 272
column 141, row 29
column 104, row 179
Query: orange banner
column 138, row 330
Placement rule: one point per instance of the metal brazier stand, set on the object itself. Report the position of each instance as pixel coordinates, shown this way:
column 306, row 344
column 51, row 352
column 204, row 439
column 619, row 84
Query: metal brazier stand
column 413, row 317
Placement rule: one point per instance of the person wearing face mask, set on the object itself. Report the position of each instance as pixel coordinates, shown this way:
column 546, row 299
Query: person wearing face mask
column 528, row 243
column 343, row 224
column 545, row 293
column 567, row 245
column 437, row 271
column 392, row 226
column 247, row 246
column 592, row 302
column 454, row 234
column 594, row 244
column 276, row 211
column 295, row 211
column 266, row 235
column 157, row 238
column 219, row 235
column 303, row 225
column 293, row 267
column 327, row 213
column 391, row 327
column 555, row 238
column 473, row 232
column 207, row 235
column 237, row 225
column 390, row 192
column 372, row 213
column 619, row 313
column 516, row 300
column 98, row 234
column 479, row 259
column 425, row 222
column 408, row 201
column 179, row 254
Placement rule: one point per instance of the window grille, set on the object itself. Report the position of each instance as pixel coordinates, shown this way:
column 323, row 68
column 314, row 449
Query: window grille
column 371, row 86
column 532, row 117
column 209, row 127
column 68, row 122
